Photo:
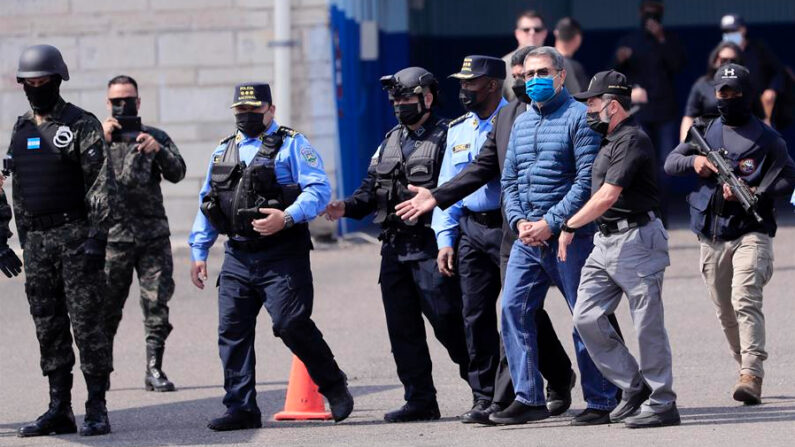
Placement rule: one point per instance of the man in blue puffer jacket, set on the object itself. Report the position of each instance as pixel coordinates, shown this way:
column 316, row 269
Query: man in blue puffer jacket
column 546, row 179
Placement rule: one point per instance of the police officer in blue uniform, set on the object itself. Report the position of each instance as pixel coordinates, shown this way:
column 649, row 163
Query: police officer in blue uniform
column 469, row 233
column 265, row 182
column 411, row 284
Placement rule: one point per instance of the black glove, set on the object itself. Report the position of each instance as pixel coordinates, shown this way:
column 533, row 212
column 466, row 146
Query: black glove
column 93, row 251
column 9, row 262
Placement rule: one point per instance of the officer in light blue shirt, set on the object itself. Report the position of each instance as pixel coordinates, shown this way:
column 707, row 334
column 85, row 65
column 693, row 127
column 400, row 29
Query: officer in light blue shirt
column 265, row 182
column 474, row 226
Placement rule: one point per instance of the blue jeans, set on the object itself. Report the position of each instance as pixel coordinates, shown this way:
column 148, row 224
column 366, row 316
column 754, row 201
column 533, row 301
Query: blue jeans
column 530, row 272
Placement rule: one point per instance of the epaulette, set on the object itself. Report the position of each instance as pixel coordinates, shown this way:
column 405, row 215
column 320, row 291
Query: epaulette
column 284, row 130
column 458, row 120
column 226, row 140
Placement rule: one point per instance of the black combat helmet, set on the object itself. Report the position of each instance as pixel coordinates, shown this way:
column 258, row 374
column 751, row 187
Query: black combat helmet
column 41, row 60
column 410, row 81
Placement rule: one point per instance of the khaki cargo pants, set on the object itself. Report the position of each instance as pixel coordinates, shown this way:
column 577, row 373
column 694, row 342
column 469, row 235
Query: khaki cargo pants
column 735, row 273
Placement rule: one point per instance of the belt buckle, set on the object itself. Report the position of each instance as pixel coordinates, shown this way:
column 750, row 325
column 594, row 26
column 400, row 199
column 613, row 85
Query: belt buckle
column 623, row 225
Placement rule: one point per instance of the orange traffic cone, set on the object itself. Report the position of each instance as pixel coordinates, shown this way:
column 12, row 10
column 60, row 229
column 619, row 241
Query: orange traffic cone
column 303, row 401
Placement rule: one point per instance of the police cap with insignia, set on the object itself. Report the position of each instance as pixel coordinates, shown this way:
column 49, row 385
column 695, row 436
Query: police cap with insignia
column 734, row 76
column 606, row 82
column 252, row 94
column 477, row 66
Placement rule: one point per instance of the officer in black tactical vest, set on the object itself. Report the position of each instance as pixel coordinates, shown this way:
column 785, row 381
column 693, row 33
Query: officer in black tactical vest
column 62, row 189
column 736, row 249
column 265, row 182
column 411, row 284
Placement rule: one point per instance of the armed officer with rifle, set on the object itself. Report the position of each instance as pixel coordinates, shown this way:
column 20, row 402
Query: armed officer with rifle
column 744, row 166
column 265, row 182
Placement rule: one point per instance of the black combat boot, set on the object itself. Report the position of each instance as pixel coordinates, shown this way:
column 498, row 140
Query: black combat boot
column 96, row 420
column 340, row 401
column 156, row 379
column 59, row 418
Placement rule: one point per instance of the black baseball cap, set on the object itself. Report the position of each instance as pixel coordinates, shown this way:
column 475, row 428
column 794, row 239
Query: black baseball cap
column 612, row 82
column 731, row 22
column 732, row 75
column 252, row 94
column 477, row 66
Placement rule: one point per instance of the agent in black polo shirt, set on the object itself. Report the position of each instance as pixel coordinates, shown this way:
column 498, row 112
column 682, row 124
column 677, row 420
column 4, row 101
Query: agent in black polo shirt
column 629, row 257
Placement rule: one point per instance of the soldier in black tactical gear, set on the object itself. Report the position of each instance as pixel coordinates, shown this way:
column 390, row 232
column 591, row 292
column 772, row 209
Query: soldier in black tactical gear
column 411, row 285
column 62, row 189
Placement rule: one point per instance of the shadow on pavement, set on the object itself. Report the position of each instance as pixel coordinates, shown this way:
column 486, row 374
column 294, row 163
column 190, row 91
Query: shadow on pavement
column 202, row 387
column 184, row 423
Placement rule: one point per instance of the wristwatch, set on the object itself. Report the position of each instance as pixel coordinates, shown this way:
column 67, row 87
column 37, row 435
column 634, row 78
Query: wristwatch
column 566, row 228
column 288, row 220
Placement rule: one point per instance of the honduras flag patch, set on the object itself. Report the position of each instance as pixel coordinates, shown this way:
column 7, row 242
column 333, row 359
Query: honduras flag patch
column 34, row 143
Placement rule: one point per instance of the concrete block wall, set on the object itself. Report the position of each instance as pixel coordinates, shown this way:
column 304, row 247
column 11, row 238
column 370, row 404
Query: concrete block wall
column 186, row 56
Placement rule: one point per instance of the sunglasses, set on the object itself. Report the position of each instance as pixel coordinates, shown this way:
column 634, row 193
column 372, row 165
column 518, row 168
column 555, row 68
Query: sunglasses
column 536, row 29
column 540, row 73
column 723, row 61
column 121, row 101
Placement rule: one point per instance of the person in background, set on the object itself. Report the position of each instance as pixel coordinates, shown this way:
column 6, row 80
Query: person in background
column 568, row 38
column 650, row 57
column 701, row 101
column 767, row 73
column 531, row 30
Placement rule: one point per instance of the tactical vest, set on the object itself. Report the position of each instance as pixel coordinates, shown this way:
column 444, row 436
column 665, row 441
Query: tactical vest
column 237, row 190
column 716, row 218
column 394, row 174
column 47, row 180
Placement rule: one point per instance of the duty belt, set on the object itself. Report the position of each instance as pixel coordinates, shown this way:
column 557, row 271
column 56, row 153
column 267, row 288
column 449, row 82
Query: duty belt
column 251, row 245
column 47, row 221
column 491, row 219
column 626, row 224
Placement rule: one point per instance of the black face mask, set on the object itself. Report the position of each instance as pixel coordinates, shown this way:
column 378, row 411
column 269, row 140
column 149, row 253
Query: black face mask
column 520, row 91
column 123, row 106
column 250, row 123
column 734, row 111
column 469, row 99
column 408, row 114
column 43, row 98
column 595, row 122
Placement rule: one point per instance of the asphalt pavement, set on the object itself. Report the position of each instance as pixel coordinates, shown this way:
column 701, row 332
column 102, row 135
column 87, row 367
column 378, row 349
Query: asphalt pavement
column 349, row 312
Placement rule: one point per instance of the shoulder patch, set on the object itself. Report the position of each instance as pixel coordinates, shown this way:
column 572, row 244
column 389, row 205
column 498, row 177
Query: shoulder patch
column 458, row 120
column 310, row 156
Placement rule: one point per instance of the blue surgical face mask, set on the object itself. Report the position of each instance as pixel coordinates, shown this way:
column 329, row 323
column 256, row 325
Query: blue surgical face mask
column 734, row 37
column 540, row 89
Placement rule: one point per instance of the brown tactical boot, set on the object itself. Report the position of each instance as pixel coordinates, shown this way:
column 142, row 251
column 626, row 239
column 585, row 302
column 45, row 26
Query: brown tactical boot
column 748, row 390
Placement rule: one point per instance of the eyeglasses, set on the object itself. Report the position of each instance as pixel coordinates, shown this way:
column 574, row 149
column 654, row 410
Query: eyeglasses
column 540, row 73
column 536, row 29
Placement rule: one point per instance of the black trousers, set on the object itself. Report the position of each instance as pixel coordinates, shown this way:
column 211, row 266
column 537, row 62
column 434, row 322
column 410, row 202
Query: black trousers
column 284, row 286
column 409, row 290
column 478, row 257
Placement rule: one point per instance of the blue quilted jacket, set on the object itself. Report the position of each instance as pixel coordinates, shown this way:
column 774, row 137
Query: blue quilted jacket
column 547, row 170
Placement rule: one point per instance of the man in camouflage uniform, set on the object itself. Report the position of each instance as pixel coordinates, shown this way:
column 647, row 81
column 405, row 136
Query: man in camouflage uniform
column 62, row 191
column 139, row 239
